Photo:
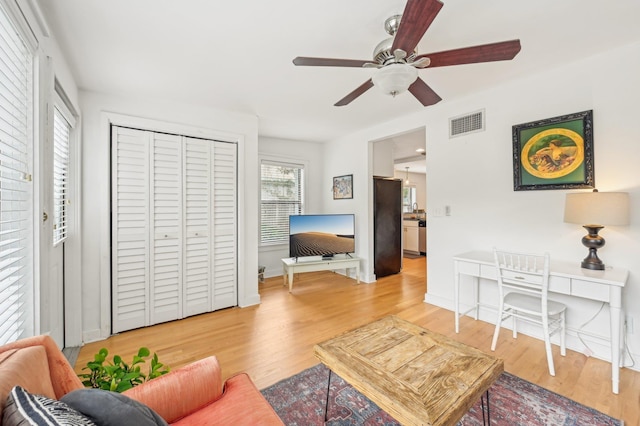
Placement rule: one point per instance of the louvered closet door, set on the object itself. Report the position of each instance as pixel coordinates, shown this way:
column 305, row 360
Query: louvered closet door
column 197, row 294
column 225, row 252
column 130, row 228
column 166, row 220
column 174, row 227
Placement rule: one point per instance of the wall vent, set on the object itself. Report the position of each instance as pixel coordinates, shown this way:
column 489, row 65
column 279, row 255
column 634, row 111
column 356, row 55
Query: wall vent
column 465, row 124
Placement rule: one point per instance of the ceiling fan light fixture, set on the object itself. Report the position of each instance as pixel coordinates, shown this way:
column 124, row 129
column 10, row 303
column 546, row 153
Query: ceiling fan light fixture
column 394, row 79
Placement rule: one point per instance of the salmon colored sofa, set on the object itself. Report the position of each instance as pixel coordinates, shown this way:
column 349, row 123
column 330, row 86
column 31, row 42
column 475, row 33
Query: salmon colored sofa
column 191, row 395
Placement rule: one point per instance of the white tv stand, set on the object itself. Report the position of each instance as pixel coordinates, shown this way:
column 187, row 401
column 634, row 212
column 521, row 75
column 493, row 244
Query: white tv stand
column 311, row 264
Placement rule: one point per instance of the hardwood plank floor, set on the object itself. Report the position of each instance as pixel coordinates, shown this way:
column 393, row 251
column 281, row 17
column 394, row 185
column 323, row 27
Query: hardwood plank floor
column 275, row 340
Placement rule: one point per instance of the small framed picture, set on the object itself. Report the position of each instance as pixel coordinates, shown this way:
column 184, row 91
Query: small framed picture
column 343, row 187
column 554, row 153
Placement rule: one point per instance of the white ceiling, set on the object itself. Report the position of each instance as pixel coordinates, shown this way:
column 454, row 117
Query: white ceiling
column 236, row 54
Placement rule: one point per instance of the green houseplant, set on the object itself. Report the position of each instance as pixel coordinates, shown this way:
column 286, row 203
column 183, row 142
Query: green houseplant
column 118, row 376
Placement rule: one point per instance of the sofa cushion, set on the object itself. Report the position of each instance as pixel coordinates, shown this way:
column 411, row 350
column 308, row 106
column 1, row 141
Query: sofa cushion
column 112, row 408
column 27, row 367
column 24, row 408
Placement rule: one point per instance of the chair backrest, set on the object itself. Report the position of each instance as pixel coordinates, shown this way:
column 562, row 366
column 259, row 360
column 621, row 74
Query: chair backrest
column 522, row 272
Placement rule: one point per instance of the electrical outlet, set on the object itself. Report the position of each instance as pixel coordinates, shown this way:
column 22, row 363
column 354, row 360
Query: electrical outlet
column 629, row 324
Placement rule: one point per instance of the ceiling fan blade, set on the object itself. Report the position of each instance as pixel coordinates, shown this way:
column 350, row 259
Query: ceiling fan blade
column 500, row 51
column 329, row 62
column 424, row 93
column 359, row 91
column 416, row 19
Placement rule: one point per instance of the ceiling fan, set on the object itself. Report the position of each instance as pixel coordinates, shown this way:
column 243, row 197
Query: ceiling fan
column 398, row 62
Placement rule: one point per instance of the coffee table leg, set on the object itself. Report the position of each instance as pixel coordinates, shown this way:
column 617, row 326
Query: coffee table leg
column 486, row 422
column 326, row 404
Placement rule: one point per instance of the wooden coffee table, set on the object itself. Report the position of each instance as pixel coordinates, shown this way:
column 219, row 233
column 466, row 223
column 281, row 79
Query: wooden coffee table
column 417, row 376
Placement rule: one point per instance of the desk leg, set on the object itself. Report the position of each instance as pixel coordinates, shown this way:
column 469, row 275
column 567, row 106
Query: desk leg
column 358, row 274
column 456, row 295
column 290, row 279
column 615, row 347
column 476, row 297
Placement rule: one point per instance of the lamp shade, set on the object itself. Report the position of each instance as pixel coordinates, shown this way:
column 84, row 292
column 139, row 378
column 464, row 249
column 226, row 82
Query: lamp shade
column 597, row 208
column 395, row 78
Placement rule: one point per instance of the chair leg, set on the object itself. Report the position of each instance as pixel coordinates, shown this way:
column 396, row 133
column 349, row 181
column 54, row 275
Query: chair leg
column 496, row 333
column 515, row 324
column 563, row 331
column 547, row 345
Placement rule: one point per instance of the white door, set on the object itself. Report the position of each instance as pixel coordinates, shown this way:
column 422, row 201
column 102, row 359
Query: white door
column 225, row 225
column 197, row 161
column 165, row 216
column 174, row 227
column 56, row 198
column 130, row 233
column 51, row 256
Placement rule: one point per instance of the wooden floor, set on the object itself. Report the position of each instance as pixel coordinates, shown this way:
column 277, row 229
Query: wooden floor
column 275, row 340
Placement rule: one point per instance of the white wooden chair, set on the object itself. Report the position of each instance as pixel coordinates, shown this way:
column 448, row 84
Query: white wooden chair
column 523, row 283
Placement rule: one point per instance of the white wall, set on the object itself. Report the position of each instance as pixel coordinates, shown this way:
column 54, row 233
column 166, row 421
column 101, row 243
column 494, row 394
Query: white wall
column 311, row 155
column 474, row 175
column 98, row 111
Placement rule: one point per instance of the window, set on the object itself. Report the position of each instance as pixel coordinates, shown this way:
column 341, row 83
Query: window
column 16, row 217
column 408, row 198
column 61, row 132
column 281, row 195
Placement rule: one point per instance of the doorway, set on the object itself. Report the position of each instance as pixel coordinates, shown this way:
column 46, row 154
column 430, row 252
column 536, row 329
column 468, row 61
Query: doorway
column 409, row 165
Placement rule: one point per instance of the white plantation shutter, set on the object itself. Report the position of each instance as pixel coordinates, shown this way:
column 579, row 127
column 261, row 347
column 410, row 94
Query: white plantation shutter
column 282, row 195
column 61, row 135
column 16, row 223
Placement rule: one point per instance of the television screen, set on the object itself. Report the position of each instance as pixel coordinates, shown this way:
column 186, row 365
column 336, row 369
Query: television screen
column 321, row 235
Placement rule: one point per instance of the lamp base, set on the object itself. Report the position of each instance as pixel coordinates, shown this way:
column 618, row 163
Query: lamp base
column 593, row 242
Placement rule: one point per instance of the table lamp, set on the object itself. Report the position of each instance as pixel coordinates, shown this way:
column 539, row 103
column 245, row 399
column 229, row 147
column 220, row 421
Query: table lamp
column 596, row 209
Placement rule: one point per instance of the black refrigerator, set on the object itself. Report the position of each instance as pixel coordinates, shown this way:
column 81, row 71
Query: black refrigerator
column 387, row 226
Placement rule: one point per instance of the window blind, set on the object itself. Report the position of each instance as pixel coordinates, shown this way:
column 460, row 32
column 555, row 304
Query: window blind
column 282, row 194
column 16, row 223
column 61, row 132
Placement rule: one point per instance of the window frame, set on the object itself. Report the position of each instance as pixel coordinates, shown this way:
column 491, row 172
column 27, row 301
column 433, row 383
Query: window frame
column 284, row 162
column 413, row 196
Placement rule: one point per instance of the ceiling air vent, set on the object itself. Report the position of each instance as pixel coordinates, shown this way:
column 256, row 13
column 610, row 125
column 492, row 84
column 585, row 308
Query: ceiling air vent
column 465, row 124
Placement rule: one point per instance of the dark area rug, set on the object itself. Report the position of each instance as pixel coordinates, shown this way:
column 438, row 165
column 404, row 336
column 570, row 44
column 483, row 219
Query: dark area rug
column 300, row 400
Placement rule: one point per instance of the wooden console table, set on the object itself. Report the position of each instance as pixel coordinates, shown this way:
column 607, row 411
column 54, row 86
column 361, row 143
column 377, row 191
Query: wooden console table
column 291, row 265
column 417, row 376
column 565, row 278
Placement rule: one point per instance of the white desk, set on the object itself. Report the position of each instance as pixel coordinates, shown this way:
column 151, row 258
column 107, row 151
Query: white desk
column 290, row 266
column 565, row 278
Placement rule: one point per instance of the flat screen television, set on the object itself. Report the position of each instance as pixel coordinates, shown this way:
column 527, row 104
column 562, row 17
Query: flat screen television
column 321, row 235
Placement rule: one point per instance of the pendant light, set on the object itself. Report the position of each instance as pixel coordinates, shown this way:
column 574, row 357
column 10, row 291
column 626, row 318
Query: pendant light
column 406, row 181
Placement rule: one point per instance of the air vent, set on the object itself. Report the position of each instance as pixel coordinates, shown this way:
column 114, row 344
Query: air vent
column 465, row 124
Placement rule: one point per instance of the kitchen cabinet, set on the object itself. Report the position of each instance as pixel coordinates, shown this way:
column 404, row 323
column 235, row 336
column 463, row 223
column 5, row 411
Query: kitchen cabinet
column 411, row 237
